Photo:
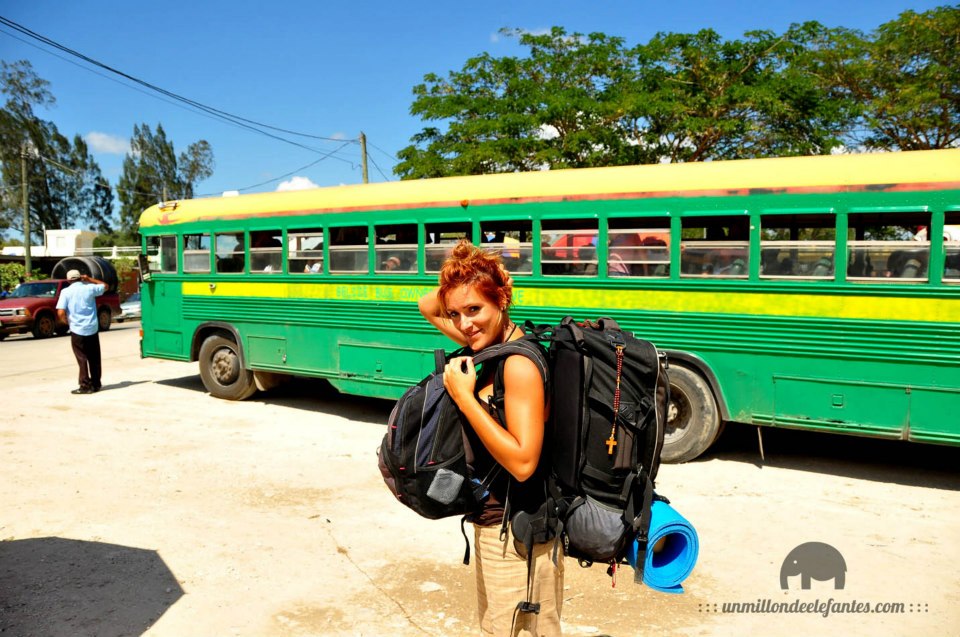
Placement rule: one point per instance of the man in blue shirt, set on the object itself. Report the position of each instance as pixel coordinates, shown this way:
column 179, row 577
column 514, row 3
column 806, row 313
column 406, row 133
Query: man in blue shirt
column 77, row 306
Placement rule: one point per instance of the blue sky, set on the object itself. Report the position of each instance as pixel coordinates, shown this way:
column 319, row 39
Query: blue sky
column 329, row 68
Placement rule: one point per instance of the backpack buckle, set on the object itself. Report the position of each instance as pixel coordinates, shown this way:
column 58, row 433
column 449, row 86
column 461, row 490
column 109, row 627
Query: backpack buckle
column 616, row 339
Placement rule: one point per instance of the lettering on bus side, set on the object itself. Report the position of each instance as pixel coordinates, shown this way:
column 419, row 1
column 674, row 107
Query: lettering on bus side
column 353, row 291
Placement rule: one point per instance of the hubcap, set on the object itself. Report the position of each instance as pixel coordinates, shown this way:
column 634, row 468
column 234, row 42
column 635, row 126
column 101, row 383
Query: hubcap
column 225, row 366
column 678, row 416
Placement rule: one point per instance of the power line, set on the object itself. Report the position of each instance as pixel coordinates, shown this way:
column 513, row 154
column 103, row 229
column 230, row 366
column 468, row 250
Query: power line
column 140, row 90
column 372, row 161
column 382, row 151
column 101, row 182
column 284, row 176
column 236, row 120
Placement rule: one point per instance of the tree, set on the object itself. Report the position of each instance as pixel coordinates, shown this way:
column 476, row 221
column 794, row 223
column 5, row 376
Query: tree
column 65, row 185
column 153, row 172
column 905, row 79
column 698, row 97
column 552, row 108
column 576, row 101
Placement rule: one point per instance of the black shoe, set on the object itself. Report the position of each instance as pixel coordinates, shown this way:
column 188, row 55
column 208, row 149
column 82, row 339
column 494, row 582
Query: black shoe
column 96, row 389
column 83, row 390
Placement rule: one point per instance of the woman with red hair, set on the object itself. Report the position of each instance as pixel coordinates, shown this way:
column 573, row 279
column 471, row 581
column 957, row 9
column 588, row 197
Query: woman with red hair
column 472, row 307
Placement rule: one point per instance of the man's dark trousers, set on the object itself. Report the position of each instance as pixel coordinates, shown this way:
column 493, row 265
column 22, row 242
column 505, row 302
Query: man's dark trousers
column 87, row 351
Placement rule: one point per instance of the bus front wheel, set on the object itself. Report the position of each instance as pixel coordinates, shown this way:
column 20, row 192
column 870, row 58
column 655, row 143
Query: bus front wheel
column 222, row 370
column 693, row 418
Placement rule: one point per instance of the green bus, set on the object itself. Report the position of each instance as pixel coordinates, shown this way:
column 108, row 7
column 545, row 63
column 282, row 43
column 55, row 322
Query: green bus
column 816, row 293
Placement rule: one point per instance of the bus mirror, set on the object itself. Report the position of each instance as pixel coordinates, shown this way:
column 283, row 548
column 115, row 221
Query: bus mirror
column 144, row 267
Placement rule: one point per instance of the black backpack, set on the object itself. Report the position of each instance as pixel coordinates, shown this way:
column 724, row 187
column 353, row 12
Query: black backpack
column 602, row 468
column 426, row 457
column 596, row 502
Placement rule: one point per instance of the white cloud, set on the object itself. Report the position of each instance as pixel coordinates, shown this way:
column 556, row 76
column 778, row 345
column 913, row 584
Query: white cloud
column 106, row 143
column 296, row 183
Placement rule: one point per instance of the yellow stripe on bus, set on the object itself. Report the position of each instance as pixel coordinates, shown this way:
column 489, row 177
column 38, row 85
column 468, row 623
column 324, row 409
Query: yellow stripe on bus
column 931, row 310
column 716, row 177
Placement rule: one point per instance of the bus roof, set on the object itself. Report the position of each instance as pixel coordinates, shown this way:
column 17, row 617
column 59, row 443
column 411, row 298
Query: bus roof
column 892, row 171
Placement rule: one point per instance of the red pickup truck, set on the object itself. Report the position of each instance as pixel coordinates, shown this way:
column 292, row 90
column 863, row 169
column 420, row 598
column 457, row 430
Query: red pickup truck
column 32, row 307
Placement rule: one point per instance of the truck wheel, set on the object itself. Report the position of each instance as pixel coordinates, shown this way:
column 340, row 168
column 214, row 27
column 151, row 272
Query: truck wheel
column 104, row 316
column 222, row 372
column 44, row 326
column 693, row 418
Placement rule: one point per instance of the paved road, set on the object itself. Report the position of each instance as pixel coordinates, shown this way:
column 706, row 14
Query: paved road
column 152, row 508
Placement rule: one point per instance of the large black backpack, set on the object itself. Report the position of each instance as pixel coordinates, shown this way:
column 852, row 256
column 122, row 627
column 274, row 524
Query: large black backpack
column 596, row 502
column 604, row 437
column 426, row 457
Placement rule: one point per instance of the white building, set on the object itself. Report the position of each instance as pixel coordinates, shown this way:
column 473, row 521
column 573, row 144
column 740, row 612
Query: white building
column 58, row 243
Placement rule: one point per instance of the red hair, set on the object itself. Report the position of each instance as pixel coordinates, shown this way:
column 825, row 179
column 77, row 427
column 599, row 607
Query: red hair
column 469, row 265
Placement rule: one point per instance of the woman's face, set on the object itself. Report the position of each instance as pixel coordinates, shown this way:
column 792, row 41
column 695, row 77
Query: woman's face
column 475, row 316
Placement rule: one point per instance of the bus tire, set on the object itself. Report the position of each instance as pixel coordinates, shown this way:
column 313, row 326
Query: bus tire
column 221, row 369
column 693, row 418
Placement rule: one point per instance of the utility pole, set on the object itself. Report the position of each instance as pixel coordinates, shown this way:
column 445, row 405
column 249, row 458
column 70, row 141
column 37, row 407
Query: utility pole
column 28, row 266
column 363, row 157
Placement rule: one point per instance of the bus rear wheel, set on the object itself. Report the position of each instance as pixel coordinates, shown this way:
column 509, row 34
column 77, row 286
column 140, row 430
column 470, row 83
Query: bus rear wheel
column 222, row 370
column 693, row 418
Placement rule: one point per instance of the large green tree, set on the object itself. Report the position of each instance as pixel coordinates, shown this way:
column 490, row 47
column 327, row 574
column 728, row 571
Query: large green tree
column 552, row 108
column 153, row 172
column 65, row 186
column 575, row 100
column 904, row 79
column 697, row 96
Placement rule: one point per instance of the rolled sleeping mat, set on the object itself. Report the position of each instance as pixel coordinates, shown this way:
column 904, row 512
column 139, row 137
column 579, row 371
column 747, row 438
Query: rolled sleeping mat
column 666, row 569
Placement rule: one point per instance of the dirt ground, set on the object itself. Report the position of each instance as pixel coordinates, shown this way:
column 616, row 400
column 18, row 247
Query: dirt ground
column 151, row 508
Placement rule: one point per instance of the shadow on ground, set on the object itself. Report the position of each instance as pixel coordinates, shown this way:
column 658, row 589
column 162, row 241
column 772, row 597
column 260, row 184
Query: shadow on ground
column 59, row 587
column 308, row 394
column 895, row 461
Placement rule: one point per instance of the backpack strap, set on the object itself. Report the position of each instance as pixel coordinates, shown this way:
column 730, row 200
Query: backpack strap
column 607, row 324
column 530, row 348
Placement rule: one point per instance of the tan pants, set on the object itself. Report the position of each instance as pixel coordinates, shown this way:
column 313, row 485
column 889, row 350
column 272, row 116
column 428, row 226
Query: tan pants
column 502, row 583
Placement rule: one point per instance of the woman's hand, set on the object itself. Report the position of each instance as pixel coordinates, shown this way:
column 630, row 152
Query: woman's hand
column 460, row 379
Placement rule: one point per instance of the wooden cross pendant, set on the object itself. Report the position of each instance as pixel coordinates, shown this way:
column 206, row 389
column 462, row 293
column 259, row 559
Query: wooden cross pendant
column 611, row 443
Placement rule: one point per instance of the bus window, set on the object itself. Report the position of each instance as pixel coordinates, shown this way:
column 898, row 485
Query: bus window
column 797, row 246
column 196, row 253
column 568, row 247
column 440, row 240
column 266, row 251
column 230, row 257
column 715, row 246
column 884, row 247
column 396, row 248
column 305, row 251
column 638, row 247
column 951, row 245
column 513, row 241
column 348, row 250
column 162, row 253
